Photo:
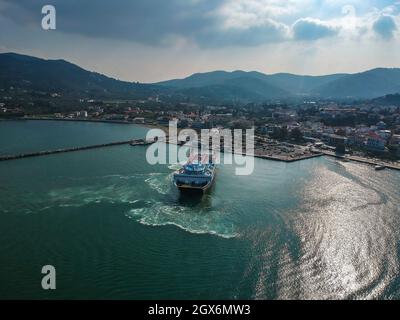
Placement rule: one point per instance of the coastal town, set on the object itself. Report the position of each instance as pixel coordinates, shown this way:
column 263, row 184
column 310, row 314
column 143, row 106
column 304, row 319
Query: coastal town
column 283, row 131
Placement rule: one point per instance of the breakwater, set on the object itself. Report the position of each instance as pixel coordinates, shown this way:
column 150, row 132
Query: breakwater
column 134, row 142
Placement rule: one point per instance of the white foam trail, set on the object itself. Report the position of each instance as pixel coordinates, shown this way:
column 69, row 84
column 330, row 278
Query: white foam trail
column 119, row 189
column 160, row 184
column 200, row 222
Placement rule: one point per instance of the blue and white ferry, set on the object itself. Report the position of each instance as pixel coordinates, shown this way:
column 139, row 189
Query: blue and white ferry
column 197, row 174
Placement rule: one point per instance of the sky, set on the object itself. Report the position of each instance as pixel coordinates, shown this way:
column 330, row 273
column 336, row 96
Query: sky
column 154, row 40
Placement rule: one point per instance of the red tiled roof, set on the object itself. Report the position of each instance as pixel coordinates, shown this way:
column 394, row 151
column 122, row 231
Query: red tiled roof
column 375, row 136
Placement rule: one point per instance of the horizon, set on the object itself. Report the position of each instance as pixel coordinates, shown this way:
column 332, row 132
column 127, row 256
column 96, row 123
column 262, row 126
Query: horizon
column 151, row 41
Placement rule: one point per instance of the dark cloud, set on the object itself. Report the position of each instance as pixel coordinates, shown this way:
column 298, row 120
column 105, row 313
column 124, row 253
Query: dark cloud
column 385, row 26
column 144, row 21
column 307, row 29
column 153, row 22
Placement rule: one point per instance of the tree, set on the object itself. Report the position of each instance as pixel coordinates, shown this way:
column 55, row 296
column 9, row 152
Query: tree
column 279, row 133
column 341, row 132
column 296, row 134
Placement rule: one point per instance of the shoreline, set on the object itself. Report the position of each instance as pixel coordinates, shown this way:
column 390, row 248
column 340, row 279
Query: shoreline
column 72, row 120
column 272, row 158
column 362, row 160
column 150, row 126
column 318, row 153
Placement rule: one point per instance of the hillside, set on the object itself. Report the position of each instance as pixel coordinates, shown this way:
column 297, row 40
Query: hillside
column 370, row 84
column 34, row 74
column 364, row 85
column 388, row 100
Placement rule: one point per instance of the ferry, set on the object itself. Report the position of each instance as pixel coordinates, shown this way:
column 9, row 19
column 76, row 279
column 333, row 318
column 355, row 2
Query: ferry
column 197, row 174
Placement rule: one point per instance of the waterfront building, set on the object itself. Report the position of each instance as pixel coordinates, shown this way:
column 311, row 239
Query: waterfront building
column 334, row 139
column 83, row 114
column 375, row 142
column 395, row 140
column 356, row 140
column 384, row 134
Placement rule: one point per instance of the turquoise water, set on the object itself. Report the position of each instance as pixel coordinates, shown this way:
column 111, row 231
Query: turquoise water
column 115, row 227
column 34, row 135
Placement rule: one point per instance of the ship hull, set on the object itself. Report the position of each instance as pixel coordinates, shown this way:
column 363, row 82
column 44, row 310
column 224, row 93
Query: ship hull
column 193, row 184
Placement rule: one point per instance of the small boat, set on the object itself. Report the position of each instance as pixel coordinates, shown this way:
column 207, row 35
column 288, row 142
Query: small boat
column 379, row 167
column 197, row 174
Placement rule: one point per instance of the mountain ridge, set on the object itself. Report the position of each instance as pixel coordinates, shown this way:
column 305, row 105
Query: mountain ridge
column 33, row 73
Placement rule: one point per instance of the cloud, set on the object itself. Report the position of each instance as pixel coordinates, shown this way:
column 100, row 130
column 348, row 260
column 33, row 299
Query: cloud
column 150, row 22
column 255, row 12
column 385, row 26
column 209, row 23
column 312, row 29
column 205, row 23
column 269, row 31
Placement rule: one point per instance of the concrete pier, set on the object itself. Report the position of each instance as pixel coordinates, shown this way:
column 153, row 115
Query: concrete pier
column 135, row 142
